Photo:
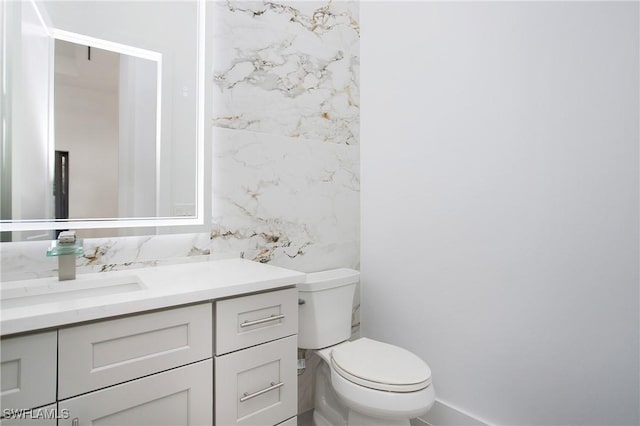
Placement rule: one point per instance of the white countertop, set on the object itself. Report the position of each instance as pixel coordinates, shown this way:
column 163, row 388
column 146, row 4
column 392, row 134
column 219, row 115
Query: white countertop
column 165, row 286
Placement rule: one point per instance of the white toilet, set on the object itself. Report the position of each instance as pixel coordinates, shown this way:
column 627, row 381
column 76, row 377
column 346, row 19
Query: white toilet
column 363, row 382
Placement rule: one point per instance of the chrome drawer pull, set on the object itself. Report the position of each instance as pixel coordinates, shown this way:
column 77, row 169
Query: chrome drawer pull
column 262, row 320
column 273, row 386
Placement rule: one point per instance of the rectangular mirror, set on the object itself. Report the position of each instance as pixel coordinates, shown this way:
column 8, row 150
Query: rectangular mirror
column 103, row 115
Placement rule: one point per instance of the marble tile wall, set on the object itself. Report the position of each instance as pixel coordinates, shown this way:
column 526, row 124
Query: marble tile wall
column 285, row 166
column 284, row 201
column 289, row 68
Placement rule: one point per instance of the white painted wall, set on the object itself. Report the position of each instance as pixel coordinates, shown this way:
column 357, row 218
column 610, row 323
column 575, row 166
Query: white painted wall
column 137, row 137
column 87, row 127
column 86, row 121
column 500, row 203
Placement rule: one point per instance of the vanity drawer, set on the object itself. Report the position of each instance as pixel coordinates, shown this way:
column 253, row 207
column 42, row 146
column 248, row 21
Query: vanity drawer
column 250, row 320
column 181, row 396
column 28, row 370
column 257, row 386
column 96, row 355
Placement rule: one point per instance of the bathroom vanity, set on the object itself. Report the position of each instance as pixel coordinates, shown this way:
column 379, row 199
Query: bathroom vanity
column 192, row 344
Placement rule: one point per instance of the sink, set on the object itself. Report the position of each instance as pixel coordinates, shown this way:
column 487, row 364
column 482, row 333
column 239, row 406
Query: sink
column 20, row 294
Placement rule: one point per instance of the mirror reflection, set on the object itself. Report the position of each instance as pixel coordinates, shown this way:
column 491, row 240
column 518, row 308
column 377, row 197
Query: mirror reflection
column 105, row 120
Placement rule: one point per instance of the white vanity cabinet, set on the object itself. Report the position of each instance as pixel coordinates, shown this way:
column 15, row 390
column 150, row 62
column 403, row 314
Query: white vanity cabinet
column 209, row 343
column 146, row 369
column 256, row 359
column 28, row 371
column 158, row 368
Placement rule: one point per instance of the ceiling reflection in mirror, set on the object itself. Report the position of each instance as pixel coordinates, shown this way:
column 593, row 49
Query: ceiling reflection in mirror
column 102, row 116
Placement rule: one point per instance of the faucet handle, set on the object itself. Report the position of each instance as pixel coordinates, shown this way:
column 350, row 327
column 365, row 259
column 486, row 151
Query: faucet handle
column 67, row 237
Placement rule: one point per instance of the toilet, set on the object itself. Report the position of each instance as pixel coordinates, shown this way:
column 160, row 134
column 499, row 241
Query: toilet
column 360, row 382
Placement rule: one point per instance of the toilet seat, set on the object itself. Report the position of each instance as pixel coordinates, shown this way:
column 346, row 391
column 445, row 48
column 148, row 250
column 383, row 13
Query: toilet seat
column 380, row 366
column 382, row 404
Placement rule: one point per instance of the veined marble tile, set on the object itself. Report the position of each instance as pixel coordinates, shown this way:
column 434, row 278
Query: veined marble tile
column 26, row 260
column 314, row 257
column 279, row 200
column 115, row 251
column 288, row 68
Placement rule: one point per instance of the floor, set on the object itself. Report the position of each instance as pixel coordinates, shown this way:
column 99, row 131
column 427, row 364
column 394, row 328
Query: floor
column 306, row 418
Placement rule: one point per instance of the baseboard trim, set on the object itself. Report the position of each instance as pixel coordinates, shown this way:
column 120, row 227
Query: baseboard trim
column 444, row 414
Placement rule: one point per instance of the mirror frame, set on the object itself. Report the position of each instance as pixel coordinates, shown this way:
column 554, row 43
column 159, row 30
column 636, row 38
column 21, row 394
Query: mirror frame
column 142, row 222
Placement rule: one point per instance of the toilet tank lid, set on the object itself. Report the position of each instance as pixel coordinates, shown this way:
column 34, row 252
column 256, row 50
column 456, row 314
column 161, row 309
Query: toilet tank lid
column 329, row 279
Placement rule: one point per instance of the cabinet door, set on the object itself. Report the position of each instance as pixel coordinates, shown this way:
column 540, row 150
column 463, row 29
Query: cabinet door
column 44, row 416
column 257, row 386
column 101, row 354
column 182, row 396
column 28, row 370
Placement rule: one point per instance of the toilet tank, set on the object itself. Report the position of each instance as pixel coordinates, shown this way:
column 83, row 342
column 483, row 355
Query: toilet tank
column 325, row 307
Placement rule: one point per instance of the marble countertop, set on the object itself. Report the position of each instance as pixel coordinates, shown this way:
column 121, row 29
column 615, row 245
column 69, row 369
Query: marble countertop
column 162, row 287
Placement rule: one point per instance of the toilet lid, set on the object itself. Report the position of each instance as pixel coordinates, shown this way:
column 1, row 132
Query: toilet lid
column 380, row 366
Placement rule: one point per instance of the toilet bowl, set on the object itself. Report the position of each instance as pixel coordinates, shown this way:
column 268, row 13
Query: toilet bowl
column 360, row 382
